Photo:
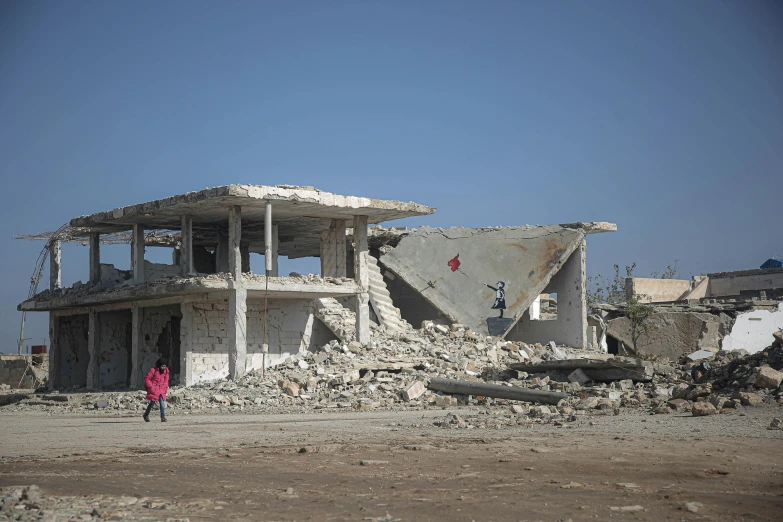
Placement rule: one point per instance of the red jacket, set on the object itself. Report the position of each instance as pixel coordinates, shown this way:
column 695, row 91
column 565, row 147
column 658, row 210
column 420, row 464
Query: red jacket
column 157, row 383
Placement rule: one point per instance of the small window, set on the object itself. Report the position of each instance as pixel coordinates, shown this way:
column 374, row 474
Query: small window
column 548, row 307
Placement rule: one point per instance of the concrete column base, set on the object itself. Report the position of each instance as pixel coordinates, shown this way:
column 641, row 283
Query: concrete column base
column 363, row 318
column 237, row 333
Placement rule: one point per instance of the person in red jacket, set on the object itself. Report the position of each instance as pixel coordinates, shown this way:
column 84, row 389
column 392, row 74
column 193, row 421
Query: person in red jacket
column 157, row 383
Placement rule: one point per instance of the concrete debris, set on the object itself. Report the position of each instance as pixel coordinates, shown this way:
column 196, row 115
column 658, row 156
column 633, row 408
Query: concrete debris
column 702, row 409
column 391, row 371
column 29, row 504
column 776, row 424
column 698, row 355
column 768, row 378
column 494, row 390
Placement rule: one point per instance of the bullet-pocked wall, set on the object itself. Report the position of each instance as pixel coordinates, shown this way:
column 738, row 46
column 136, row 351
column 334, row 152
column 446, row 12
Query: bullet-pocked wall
column 114, row 349
column 73, row 357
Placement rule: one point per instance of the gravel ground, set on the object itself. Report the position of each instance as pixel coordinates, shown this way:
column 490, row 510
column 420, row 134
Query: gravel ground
column 388, row 466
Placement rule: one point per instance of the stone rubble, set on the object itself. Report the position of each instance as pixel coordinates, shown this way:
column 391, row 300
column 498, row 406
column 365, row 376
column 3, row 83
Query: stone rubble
column 28, row 504
column 392, row 372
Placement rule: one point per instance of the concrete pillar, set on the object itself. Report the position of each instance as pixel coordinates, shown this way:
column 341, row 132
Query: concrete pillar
column 221, row 253
column 234, row 238
column 237, row 332
column 237, row 299
column 362, row 278
column 137, row 341
column 268, row 241
column 328, row 252
column 54, row 351
column 333, row 250
column 244, row 254
column 95, row 257
column 55, row 269
column 275, row 272
column 186, row 248
column 93, row 350
column 340, row 249
column 137, row 254
column 187, row 335
column 582, row 289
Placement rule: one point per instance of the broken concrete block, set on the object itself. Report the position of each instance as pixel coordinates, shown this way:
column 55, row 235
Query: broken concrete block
column 578, row 376
column 441, row 329
column 750, row 399
column 699, row 355
column 355, row 347
column 719, row 402
column 413, row 391
column 291, row 389
column 776, row 424
column 702, row 409
column 102, row 403
column 348, row 377
column 768, row 378
column 516, row 408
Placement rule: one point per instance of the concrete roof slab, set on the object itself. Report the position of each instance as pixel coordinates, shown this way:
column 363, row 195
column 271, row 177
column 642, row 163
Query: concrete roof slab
column 452, row 267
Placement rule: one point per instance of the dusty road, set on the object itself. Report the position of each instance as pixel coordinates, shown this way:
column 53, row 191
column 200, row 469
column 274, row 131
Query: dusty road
column 399, row 466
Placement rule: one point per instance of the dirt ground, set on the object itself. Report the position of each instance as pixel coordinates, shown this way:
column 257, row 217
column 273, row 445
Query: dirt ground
column 386, row 466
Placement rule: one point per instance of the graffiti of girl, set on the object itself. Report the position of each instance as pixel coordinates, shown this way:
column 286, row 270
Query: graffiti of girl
column 500, row 297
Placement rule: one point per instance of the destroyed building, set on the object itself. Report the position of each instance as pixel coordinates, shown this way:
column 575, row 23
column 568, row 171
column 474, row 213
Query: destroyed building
column 738, row 310
column 214, row 318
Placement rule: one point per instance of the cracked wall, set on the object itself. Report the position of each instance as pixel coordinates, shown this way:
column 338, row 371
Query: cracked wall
column 73, row 356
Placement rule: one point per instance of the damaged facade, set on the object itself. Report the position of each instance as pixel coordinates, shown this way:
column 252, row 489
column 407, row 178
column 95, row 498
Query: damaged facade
column 213, row 318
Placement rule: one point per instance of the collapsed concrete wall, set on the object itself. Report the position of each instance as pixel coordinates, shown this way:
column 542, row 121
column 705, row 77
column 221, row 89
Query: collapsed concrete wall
column 753, row 331
column 413, row 307
column 672, row 334
column 292, row 329
column 153, row 271
column 114, row 356
column 452, row 268
column 111, row 277
column 73, row 356
column 655, row 290
column 14, row 371
column 570, row 325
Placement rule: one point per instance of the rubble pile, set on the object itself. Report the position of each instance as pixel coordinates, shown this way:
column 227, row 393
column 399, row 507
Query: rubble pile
column 391, row 372
column 738, row 378
column 395, row 369
column 29, row 504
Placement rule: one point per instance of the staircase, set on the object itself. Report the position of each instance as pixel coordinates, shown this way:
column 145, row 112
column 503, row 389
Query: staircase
column 340, row 320
column 381, row 302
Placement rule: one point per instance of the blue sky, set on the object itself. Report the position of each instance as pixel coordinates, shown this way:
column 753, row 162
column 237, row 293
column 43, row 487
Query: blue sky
column 664, row 117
